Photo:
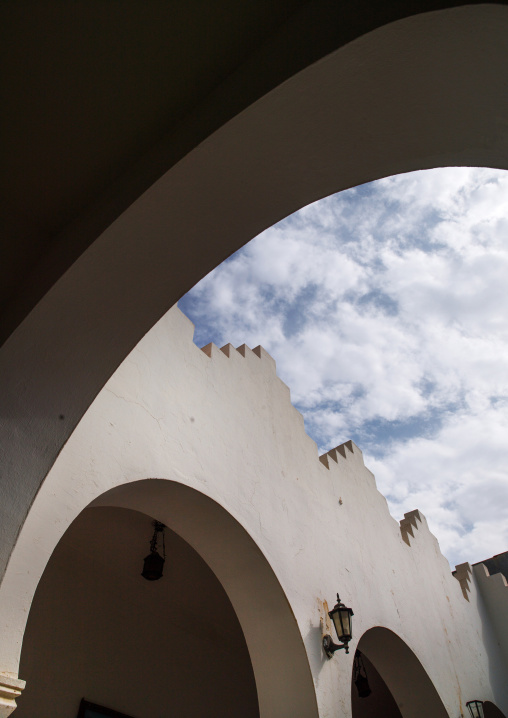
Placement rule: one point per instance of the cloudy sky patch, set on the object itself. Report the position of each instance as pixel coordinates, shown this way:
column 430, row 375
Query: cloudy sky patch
column 386, row 309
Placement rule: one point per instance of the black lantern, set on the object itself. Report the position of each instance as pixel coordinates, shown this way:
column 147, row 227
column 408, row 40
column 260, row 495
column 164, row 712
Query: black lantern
column 154, row 562
column 341, row 617
column 475, row 708
column 360, row 676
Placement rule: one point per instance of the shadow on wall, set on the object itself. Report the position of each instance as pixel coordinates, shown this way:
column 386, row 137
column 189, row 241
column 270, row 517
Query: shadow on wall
column 400, row 686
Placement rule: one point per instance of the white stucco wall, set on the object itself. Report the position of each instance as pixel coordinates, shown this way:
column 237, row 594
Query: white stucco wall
column 221, row 422
column 494, row 592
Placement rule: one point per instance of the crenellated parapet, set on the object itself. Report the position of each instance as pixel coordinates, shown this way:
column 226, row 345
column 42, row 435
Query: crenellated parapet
column 346, row 458
column 244, row 351
column 463, row 574
column 494, row 591
column 344, row 451
column 409, row 525
column 256, row 360
column 415, row 532
column 259, row 359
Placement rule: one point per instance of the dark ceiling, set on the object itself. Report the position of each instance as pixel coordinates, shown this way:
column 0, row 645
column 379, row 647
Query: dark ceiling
column 101, row 97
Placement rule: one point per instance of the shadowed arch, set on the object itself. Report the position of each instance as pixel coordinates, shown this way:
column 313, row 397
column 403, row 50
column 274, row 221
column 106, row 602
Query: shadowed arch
column 144, row 648
column 405, row 677
column 281, row 670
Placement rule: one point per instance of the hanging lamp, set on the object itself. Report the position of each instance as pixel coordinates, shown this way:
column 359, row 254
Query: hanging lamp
column 153, row 564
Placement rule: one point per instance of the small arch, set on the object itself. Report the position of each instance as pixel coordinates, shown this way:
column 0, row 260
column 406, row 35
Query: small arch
column 401, row 687
column 143, row 648
column 262, row 633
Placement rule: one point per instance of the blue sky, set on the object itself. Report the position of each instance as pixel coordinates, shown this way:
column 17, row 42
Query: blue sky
column 386, row 309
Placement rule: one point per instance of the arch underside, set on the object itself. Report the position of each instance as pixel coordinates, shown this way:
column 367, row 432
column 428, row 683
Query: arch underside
column 232, row 564
column 174, row 646
column 422, row 92
column 402, row 673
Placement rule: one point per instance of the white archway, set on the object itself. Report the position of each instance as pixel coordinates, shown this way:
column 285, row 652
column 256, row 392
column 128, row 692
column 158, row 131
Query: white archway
column 402, row 673
column 422, row 92
column 279, row 660
column 143, row 648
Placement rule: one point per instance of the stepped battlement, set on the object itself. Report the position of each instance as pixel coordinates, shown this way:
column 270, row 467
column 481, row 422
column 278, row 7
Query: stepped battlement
column 343, row 451
column 410, row 524
column 259, row 359
column 463, row 574
column 344, row 458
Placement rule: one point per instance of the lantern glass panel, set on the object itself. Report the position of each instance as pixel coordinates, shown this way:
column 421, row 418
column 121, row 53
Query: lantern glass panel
column 342, row 620
column 475, row 708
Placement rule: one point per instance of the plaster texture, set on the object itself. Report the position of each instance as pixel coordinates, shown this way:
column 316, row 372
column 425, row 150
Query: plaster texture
column 207, row 441
column 494, row 591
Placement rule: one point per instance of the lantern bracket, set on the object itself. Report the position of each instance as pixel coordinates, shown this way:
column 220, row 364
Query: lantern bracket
column 330, row 647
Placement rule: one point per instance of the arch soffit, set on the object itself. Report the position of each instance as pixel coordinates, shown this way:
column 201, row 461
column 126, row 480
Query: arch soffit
column 415, row 94
column 279, row 660
column 403, row 673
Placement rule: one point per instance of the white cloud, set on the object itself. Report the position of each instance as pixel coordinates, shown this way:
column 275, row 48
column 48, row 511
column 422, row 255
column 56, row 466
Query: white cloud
column 387, row 312
column 457, row 478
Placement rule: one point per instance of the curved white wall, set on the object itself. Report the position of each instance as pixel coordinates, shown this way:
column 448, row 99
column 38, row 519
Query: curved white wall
column 403, row 674
column 423, row 92
column 219, row 424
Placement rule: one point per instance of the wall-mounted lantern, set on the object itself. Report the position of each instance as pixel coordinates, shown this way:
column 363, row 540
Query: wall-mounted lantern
column 341, row 617
column 154, row 562
column 475, row 708
column 360, row 676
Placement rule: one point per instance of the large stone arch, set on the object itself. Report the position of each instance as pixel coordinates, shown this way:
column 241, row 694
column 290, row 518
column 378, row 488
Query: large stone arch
column 279, row 661
column 402, row 673
column 421, row 92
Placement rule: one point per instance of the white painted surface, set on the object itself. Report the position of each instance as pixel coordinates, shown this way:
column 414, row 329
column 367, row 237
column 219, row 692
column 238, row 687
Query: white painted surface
column 494, row 592
column 224, row 426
